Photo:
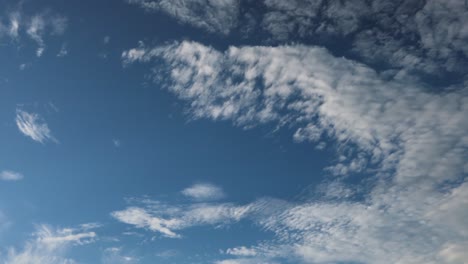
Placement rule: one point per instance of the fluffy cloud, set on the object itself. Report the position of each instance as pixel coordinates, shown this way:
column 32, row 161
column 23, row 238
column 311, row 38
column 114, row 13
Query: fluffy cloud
column 211, row 15
column 410, row 140
column 49, row 244
column 33, row 126
column 203, row 192
column 10, row 176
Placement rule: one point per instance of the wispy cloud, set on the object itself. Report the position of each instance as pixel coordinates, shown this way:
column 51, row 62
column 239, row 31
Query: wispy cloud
column 414, row 141
column 214, row 16
column 32, row 125
column 63, row 51
column 166, row 219
column 117, row 143
column 8, row 175
column 37, row 27
column 241, row 251
column 115, row 255
column 40, row 23
column 49, row 244
column 204, row 192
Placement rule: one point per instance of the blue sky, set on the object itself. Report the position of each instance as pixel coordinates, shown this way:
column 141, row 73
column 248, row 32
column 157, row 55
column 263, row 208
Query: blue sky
column 233, row 132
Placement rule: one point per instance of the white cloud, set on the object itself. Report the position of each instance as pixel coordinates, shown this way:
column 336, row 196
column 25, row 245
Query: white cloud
column 241, row 251
column 426, row 36
column 203, row 192
column 10, row 176
column 48, row 246
column 37, row 27
column 13, row 30
column 411, row 141
column 166, row 220
column 211, row 15
column 33, row 126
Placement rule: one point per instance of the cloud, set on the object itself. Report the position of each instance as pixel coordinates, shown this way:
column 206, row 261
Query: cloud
column 408, row 143
column 48, row 246
column 10, row 176
column 309, row 89
column 37, row 27
column 33, row 126
column 63, row 51
column 204, row 192
column 115, row 255
column 241, row 251
column 213, row 16
column 40, row 23
column 166, row 219
column 424, row 36
column 403, row 36
column 117, row 143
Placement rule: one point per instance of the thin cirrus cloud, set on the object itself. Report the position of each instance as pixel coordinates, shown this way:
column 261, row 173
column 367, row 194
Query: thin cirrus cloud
column 8, row 175
column 203, row 192
column 167, row 219
column 414, row 141
column 33, row 126
column 213, row 16
column 37, row 27
column 49, row 244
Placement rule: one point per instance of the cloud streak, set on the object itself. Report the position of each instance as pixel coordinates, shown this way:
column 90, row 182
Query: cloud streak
column 33, row 126
column 49, row 244
column 166, row 219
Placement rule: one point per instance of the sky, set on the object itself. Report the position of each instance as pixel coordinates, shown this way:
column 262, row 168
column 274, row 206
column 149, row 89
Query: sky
column 234, row 131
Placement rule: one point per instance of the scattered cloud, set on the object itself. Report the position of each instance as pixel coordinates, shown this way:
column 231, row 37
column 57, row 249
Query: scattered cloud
column 408, row 143
column 48, row 246
column 424, row 36
column 204, row 192
column 32, row 125
column 7, row 175
column 37, row 27
column 213, row 16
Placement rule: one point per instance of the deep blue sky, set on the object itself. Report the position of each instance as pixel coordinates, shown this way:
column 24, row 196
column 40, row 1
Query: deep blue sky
column 108, row 156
